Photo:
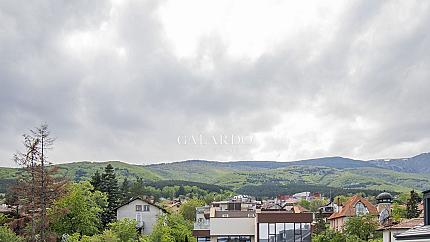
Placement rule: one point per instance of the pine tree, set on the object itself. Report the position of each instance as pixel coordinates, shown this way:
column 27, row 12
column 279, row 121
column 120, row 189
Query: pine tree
column 125, row 190
column 96, row 181
column 412, row 205
column 109, row 186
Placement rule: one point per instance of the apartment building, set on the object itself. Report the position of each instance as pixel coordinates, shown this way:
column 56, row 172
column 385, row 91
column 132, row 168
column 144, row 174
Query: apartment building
column 244, row 221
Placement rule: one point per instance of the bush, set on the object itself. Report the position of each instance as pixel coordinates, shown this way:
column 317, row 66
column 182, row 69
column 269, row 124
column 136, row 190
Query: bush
column 6, row 234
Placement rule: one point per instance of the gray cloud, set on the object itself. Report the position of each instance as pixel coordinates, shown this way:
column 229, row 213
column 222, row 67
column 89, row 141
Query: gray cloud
column 106, row 79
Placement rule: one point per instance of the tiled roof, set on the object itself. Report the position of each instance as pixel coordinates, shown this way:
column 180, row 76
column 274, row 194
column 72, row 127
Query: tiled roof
column 348, row 210
column 417, row 233
column 404, row 224
column 299, row 209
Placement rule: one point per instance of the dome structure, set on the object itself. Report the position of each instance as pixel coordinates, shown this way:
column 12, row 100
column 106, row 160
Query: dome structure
column 384, row 197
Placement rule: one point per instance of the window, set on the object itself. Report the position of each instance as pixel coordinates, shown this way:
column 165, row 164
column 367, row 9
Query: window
column 284, row 232
column 297, row 232
column 138, row 208
column 280, row 232
column 263, row 232
column 146, row 208
column 306, row 232
column 234, row 239
column 203, row 239
column 360, row 209
column 139, row 220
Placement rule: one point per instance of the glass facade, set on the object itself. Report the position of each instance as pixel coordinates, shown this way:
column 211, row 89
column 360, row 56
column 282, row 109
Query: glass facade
column 284, row 232
column 234, row 239
column 203, row 239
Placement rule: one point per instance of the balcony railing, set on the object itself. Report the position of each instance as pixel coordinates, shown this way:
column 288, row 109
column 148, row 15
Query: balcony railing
column 201, row 225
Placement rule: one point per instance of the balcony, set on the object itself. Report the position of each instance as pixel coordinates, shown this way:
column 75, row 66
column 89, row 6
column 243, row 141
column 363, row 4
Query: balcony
column 202, row 225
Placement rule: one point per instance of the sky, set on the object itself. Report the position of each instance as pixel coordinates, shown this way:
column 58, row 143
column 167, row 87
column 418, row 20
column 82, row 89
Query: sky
column 160, row 81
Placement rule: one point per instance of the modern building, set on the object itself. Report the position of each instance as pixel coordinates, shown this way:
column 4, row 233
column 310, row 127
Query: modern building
column 143, row 211
column 355, row 206
column 231, row 221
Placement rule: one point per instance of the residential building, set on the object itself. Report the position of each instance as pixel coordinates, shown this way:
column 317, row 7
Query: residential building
column 390, row 231
column 356, row 205
column 230, row 221
column 143, row 211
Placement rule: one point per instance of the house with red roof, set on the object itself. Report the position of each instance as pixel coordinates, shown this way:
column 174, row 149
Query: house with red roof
column 355, row 206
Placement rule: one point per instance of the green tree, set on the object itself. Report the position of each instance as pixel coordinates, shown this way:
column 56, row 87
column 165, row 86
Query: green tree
column 124, row 229
column 181, row 191
column 341, row 199
column 320, row 225
column 3, row 219
column 305, row 203
column 363, row 227
column 329, row 236
column 109, row 186
column 412, row 205
column 172, row 227
column 7, row 235
column 188, row 209
column 125, row 191
column 315, row 204
column 96, row 181
column 398, row 212
column 79, row 211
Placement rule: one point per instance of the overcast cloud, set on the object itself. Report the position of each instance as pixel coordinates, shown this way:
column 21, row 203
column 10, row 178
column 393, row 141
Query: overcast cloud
column 122, row 80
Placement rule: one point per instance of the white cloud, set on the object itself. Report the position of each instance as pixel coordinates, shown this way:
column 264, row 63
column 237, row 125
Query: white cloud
column 123, row 79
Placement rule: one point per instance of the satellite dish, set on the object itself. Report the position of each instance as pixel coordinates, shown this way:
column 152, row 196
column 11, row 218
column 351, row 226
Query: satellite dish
column 383, row 216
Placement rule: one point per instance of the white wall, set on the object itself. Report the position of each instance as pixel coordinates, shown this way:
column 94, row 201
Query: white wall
column 149, row 218
column 388, row 235
column 232, row 226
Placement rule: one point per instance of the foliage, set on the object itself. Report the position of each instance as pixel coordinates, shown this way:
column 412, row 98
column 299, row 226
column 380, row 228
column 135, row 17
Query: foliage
column 188, row 209
column 7, row 235
column 119, row 231
column 320, row 225
column 96, row 181
column 3, row 219
column 334, row 236
column 398, row 212
column 110, row 187
column 412, row 205
column 124, row 229
column 79, row 211
column 125, row 193
column 106, row 236
column 329, row 236
column 341, row 199
column 172, row 227
column 363, row 227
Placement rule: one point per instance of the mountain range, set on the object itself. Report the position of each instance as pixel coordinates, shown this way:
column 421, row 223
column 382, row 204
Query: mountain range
column 398, row 175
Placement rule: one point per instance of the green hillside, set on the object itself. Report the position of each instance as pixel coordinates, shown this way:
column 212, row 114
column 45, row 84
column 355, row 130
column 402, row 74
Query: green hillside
column 78, row 171
column 337, row 173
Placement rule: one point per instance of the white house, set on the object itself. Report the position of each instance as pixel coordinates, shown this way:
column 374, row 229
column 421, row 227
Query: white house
column 143, row 211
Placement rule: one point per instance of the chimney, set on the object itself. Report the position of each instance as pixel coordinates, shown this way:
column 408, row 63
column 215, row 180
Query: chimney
column 426, row 198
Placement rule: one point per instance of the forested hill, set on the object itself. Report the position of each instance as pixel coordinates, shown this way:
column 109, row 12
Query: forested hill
column 337, row 172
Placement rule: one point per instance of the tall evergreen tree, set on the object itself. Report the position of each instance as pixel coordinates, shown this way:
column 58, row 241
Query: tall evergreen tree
column 412, row 205
column 109, row 186
column 96, row 181
column 125, row 190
